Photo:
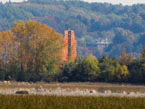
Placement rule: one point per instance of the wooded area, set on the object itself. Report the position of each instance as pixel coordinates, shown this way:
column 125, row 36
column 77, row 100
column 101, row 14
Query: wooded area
column 124, row 26
column 32, row 51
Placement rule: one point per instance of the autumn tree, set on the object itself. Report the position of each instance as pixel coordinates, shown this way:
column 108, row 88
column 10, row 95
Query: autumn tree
column 39, row 47
column 7, row 52
column 121, row 72
column 123, row 57
column 118, row 71
column 28, row 50
column 130, row 57
column 124, row 73
column 142, row 54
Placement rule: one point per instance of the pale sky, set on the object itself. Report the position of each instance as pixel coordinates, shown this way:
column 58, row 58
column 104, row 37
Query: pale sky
column 123, row 2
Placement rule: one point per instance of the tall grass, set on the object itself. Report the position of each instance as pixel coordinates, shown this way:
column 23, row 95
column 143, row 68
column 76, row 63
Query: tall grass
column 69, row 102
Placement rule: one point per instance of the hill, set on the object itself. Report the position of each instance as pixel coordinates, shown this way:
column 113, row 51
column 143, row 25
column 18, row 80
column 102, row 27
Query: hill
column 122, row 26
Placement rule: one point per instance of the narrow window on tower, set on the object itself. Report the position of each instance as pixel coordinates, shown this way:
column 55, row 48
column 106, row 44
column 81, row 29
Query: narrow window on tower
column 69, row 44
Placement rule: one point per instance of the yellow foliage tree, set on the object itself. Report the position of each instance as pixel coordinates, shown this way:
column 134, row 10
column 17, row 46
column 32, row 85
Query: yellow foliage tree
column 7, row 51
column 39, row 46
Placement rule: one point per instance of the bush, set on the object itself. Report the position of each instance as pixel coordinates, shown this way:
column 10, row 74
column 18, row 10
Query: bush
column 22, row 92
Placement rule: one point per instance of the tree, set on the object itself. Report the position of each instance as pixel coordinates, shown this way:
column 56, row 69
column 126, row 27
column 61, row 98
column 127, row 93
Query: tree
column 83, row 69
column 121, row 72
column 39, row 47
column 124, row 73
column 7, row 52
column 90, row 67
column 142, row 55
column 72, row 70
column 107, row 67
column 118, row 71
column 130, row 57
column 137, row 71
column 123, row 57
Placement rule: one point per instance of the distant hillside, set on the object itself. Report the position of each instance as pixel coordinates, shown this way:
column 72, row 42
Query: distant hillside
column 123, row 26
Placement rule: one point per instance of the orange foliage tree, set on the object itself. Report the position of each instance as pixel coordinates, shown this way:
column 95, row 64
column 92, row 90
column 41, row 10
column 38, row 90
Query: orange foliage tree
column 34, row 47
column 39, row 46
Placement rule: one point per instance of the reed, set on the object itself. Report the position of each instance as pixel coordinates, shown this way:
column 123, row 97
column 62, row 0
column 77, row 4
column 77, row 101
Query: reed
column 69, row 102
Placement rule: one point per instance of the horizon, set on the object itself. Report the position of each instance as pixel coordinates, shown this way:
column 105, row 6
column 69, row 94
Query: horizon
column 114, row 2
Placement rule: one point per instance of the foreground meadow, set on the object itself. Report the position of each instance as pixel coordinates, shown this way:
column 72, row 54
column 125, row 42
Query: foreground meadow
column 69, row 102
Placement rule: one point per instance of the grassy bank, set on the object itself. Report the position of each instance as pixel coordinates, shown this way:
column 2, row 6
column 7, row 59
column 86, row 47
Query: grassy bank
column 60, row 102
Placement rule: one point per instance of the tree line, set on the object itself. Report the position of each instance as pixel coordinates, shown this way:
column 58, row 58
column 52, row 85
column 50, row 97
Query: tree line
column 31, row 51
column 126, row 69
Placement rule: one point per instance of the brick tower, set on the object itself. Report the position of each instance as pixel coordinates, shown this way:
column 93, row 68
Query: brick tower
column 69, row 51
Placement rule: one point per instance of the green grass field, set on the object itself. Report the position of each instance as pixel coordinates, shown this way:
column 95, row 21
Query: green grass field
column 69, row 102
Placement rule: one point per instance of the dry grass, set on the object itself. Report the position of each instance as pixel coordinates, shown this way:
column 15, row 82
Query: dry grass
column 62, row 102
column 100, row 87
